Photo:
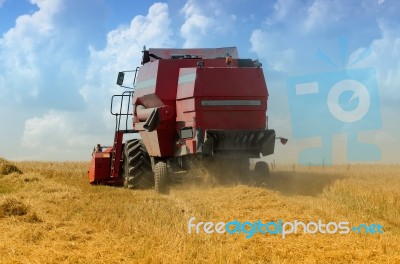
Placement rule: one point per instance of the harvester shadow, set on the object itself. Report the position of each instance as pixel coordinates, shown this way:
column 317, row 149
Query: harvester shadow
column 300, row 183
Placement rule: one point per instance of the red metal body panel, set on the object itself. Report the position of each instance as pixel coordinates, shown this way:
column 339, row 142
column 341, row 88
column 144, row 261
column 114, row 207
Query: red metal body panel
column 100, row 167
column 228, row 90
column 184, row 87
column 159, row 143
column 116, row 154
column 157, row 81
column 105, row 165
column 156, row 86
column 228, row 98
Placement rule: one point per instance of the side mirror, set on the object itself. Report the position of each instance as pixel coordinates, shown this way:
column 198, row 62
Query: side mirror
column 120, row 79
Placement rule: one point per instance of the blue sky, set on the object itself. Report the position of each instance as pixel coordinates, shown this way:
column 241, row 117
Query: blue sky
column 59, row 60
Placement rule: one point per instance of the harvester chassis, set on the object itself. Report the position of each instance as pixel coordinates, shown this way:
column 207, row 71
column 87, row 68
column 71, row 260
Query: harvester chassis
column 206, row 103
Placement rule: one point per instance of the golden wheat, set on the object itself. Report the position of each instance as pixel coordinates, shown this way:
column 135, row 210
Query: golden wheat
column 50, row 214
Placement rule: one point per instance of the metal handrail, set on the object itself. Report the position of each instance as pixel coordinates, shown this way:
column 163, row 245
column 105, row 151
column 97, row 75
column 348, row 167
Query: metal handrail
column 119, row 114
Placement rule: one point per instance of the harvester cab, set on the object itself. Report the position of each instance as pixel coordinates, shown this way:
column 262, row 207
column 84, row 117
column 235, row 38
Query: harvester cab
column 185, row 104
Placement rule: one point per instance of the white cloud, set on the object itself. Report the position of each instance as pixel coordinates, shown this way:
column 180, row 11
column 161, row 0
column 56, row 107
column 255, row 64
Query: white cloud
column 124, row 45
column 30, row 30
column 196, row 25
column 123, row 52
column 296, row 31
column 37, row 55
column 47, row 131
column 288, row 43
column 270, row 47
column 384, row 56
column 22, row 49
column 322, row 13
column 283, row 8
column 203, row 21
column 285, row 61
column 315, row 13
column 60, row 135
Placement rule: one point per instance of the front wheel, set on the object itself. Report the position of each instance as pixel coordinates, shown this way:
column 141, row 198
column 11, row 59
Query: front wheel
column 161, row 177
column 137, row 172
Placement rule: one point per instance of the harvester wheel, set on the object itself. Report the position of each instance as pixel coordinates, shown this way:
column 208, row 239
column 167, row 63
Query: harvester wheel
column 261, row 169
column 137, row 171
column 161, row 177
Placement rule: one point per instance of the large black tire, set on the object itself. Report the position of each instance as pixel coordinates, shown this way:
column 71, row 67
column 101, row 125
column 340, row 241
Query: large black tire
column 261, row 171
column 161, row 177
column 261, row 168
column 137, row 171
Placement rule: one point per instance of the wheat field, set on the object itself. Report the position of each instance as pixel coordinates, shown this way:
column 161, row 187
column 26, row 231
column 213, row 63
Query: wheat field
column 50, row 214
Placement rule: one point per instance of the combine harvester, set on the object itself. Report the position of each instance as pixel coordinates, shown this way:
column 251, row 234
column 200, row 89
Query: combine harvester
column 187, row 105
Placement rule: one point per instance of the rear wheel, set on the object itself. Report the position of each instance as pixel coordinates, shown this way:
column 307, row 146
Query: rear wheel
column 261, row 171
column 261, row 168
column 161, row 177
column 137, row 167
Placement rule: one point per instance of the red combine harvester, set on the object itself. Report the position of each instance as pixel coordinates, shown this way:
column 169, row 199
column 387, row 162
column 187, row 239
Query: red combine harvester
column 186, row 104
